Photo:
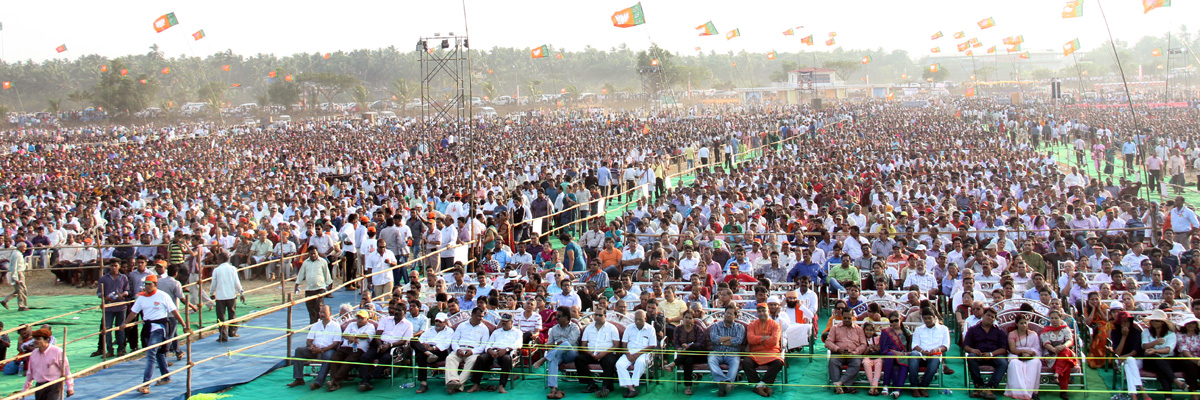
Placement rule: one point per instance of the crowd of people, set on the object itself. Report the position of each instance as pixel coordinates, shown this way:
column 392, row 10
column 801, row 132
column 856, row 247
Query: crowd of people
column 917, row 230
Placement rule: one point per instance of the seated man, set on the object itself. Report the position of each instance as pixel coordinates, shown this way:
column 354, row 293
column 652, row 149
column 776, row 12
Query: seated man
column 727, row 337
column 356, row 340
column 394, row 332
column 468, row 342
column 501, row 345
column 434, row 344
column 763, row 336
column 986, row 344
column 324, row 337
column 845, row 341
column 564, row 340
column 929, row 341
column 598, row 341
column 639, row 340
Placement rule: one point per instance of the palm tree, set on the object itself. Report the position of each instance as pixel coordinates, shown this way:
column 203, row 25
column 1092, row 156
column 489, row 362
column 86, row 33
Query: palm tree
column 52, row 105
column 489, row 90
column 402, row 89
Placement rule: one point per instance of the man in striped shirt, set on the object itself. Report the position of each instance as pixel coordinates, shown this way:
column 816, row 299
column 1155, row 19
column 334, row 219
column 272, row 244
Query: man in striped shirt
column 529, row 321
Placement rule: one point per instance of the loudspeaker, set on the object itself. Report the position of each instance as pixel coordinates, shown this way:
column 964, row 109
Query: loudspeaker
column 816, row 104
column 1056, row 89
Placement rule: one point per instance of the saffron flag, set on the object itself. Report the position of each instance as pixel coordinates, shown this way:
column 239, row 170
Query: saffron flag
column 271, row 74
column 104, row 68
column 558, row 56
column 1152, row 4
column 807, row 40
column 866, row 59
column 1156, row 52
column 991, row 50
column 829, row 42
column 971, row 91
column 198, row 35
column 237, row 85
column 697, row 48
column 969, row 53
column 143, row 81
column 936, row 36
column 166, row 21
column 327, row 56
column 891, row 96
column 732, row 34
column 61, row 48
column 287, row 78
column 935, row 50
column 539, row 52
column 771, row 55
column 7, row 85
column 832, row 34
column 1024, row 56
column 1070, row 47
column 124, row 71
column 934, row 68
column 973, row 41
column 987, row 23
column 1073, row 9
column 225, row 67
column 654, row 62
column 958, row 35
column 628, row 17
column 166, row 70
column 964, row 46
column 708, row 29
column 1014, row 40
column 1014, row 48
column 789, row 32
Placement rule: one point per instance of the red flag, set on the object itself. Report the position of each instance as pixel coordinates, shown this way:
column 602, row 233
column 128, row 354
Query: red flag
column 7, row 85
column 287, row 78
column 143, row 81
column 326, row 56
column 104, row 68
column 237, row 85
column 225, row 67
column 61, row 48
column 271, row 74
column 124, row 71
column 166, row 70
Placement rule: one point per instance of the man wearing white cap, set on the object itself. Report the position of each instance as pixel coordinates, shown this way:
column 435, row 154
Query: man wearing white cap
column 434, row 344
column 501, row 346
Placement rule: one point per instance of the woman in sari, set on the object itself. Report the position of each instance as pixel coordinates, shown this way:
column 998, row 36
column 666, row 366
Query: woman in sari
column 1024, row 362
column 1095, row 312
column 1057, row 339
column 893, row 341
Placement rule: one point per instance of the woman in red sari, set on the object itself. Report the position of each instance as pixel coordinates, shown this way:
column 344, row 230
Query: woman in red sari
column 1058, row 340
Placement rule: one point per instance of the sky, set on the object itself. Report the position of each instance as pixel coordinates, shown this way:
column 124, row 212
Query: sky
column 33, row 29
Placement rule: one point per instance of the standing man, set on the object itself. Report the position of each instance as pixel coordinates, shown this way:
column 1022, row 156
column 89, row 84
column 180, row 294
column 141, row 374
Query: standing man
column 375, row 263
column 727, row 337
column 323, row 339
column 929, row 341
column 765, row 338
column 1183, row 221
column 986, row 344
column 599, row 341
column 314, row 275
column 16, row 278
column 639, row 339
column 468, row 342
column 114, row 288
column 47, row 363
column 156, row 308
column 845, row 341
column 226, row 288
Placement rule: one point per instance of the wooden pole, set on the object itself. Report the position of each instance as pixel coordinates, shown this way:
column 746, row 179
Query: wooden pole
column 283, row 297
column 288, row 352
column 187, row 321
column 103, row 326
column 62, row 393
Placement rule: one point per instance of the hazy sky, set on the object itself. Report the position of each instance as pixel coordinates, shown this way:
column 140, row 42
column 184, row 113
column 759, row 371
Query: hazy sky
column 32, row 29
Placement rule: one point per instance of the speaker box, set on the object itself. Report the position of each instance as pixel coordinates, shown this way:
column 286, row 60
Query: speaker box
column 816, row 104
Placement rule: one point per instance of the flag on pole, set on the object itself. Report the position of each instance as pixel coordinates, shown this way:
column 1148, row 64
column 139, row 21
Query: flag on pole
column 124, row 72
column 1070, row 47
column 166, row 21
column 61, row 48
column 104, row 68
column 789, row 32
column 866, row 59
column 934, row 68
column 7, row 85
column 969, row 53
column 539, row 52
column 143, row 81
column 987, row 23
column 287, row 78
column 971, row 91
column 732, row 34
column 829, row 42
column 558, row 56
column 166, row 70
column 936, row 36
column 198, row 35
column 1156, row 52
column 832, row 34
column 973, row 41
column 271, row 74
column 225, row 67
column 891, row 96
column 807, row 40
column 1014, row 48
column 697, row 48
column 326, row 56
column 1073, row 9
column 708, row 29
column 1024, row 56
column 935, row 50
column 964, row 46
column 958, row 35
column 771, row 55
column 628, row 17
column 237, row 85
column 1014, row 40
column 991, row 50
column 1152, row 4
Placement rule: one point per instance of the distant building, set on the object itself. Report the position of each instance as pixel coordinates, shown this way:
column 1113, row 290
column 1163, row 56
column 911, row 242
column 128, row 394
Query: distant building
column 813, row 78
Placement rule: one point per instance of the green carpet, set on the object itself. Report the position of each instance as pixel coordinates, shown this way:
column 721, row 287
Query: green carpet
column 1065, row 154
column 88, row 322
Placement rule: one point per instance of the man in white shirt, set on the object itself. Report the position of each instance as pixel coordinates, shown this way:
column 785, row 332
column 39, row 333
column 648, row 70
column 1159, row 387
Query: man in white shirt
column 468, row 342
column 923, row 280
column 156, row 308
column 503, row 343
column 568, row 298
column 690, row 262
column 599, row 342
column 394, row 332
column 434, row 344
column 356, row 340
column 226, row 288
column 929, row 342
column 449, row 239
column 324, row 337
column 639, row 339
column 376, row 263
